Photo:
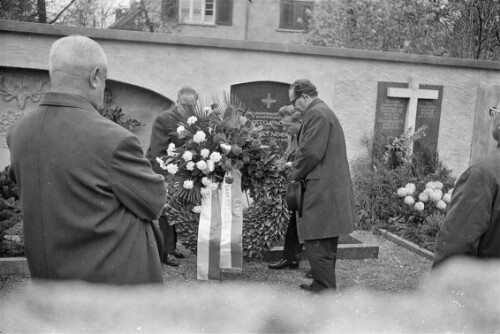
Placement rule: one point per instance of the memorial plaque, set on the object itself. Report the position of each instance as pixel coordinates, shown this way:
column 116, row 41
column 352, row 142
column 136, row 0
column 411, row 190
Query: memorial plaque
column 390, row 114
column 429, row 113
column 265, row 98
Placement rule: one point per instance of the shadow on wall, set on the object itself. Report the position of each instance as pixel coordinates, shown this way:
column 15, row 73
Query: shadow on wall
column 462, row 296
column 22, row 89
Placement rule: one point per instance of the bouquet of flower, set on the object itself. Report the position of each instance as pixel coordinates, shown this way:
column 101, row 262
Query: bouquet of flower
column 212, row 145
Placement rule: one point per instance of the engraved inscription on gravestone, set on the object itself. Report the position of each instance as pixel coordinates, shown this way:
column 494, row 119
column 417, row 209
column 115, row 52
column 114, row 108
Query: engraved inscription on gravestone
column 390, row 113
column 429, row 114
column 264, row 98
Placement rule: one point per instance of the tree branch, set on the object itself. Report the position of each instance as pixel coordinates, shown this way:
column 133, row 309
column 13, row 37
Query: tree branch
column 62, row 11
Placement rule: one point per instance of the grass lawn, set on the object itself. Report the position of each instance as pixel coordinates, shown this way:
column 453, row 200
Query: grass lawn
column 396, row 270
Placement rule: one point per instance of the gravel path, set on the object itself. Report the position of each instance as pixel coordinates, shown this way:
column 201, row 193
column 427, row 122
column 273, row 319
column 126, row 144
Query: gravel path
column 397, row 270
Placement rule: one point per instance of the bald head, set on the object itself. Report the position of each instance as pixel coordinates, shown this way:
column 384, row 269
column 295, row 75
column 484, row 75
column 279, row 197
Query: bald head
column 78, row 65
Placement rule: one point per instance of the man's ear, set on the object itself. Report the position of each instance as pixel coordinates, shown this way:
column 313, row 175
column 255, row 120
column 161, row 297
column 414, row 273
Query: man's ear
column 95, row 77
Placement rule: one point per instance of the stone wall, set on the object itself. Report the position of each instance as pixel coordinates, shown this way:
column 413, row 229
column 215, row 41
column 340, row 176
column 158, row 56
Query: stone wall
column 347, row 80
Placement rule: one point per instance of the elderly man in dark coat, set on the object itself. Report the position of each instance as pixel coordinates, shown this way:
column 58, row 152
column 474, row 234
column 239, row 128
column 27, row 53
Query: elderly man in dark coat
column 88, row 195
column 161, row 138
column 321, row 160
column 472, row 224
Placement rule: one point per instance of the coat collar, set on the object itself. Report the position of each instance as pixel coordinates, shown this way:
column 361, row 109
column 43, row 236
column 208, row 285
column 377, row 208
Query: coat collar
column 312, row 104
column 66, row 100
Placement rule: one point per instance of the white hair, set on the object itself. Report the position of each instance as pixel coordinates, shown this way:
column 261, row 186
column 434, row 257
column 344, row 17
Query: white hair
column 76, row 52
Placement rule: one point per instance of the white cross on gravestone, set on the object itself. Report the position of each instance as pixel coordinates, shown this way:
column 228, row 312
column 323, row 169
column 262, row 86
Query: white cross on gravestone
column 414, row 94
column 268, row 101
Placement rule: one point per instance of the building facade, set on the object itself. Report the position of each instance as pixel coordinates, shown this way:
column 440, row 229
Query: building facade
column 275, row 21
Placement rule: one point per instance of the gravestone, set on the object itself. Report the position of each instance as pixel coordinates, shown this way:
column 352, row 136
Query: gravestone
column 265, row 98
column 403, row 107
column 22, row 89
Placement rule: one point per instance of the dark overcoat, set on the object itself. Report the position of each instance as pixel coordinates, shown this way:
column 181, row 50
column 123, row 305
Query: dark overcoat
column 87, row 194
column 321, row 160
column 160, row 139
column 472, row 224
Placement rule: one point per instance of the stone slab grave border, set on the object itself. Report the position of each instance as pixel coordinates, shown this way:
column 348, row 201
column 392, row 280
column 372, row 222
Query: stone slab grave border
column 349, row 248
column 404, row 243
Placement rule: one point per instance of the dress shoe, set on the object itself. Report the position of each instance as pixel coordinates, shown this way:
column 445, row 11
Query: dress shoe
column 170, row 260
column 306, row 287
column 283, row 263
column 309, row 274
column 178, row 254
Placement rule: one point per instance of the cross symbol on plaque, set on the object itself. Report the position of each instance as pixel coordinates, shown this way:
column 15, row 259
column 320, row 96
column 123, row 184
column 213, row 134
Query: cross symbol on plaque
column 268, row 101
column 414, row 94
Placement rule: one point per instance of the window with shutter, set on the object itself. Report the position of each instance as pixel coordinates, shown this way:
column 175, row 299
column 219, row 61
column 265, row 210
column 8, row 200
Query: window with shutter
column 224, row 12
column 197, row 11
column 294, row 14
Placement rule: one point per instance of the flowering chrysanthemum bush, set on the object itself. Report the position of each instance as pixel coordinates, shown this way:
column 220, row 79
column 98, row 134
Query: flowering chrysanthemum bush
column 407, row 194
column 11, row 219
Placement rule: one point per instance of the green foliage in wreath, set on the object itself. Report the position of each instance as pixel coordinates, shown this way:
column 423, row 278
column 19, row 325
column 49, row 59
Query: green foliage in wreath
column 11, row 218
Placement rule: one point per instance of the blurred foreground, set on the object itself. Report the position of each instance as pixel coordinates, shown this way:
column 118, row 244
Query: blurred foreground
column 463, row 296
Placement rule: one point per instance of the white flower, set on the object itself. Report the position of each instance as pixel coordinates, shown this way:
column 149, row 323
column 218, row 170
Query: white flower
column 188, row 184
column 181, row 129
column 441, row 205
column 202, row 165
column 206, row 181
column 161, row 163
column 429, row 191
column 204, row 191
column 430, row 185
column 205, row 152
column 243, row 119
column 451, row 191
column 172, row 169
column 436, row 195
column 447, row 198
column 214, row 185
column 409, row 200
column 199, row 137
column 190, row 165
column 207, row 110
column 438, row 185
column 225, row 148
column 215, row 157
column 410, row 188
column 402, row 192
column 187, row 156
column 210, row 165
column 423, row 197
column 191, row 120
column 197, row 209
column 171, row 150
column 419, row 206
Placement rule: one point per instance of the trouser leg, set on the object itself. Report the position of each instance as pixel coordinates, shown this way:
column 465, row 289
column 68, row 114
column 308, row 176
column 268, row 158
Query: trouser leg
column 322, row 255
column 169, row 235
column 292, row 246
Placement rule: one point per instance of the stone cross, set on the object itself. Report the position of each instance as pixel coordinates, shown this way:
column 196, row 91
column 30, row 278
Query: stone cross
column 268, row 101
column 414, row 94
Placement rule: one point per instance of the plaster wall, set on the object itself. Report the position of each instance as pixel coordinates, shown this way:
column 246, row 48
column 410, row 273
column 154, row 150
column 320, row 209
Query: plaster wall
column 346, row 79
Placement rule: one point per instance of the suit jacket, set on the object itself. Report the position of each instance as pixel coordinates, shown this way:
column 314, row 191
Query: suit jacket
column 472, row 224
column 321, row 160
column 87, row 195
column 160, row 139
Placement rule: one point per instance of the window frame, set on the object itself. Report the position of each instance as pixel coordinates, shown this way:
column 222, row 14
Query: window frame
column 189, row 20
column 295, row 7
